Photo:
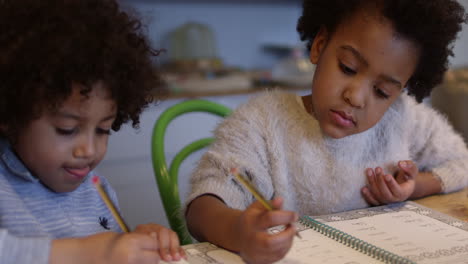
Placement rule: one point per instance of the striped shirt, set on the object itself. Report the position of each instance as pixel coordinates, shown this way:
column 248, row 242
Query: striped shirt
column 31, row 215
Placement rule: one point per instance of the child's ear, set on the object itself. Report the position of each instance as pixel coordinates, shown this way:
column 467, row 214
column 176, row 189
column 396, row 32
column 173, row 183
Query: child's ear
column 319, row 44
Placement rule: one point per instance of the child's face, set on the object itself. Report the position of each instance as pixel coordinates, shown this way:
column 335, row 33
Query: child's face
column 361, row 70
column 60, row 148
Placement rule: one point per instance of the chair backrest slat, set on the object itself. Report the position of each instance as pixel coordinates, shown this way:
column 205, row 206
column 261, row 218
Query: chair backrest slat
column 167, row 180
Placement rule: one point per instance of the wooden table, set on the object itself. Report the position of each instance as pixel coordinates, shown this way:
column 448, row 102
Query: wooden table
column 454, row 204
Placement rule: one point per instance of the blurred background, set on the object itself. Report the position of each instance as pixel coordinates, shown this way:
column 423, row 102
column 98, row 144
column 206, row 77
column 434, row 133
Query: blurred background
column 226, row 45
column 226, row 51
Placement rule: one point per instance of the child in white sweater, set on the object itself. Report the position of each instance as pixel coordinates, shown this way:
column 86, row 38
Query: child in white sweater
column 361, row 138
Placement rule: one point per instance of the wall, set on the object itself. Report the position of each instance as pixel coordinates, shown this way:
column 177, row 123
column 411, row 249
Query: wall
column 240, row 29
column 461, row 46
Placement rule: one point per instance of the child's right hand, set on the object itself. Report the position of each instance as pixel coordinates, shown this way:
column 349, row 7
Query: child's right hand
column 256, row 244
column 168, row 241
column 106, row 248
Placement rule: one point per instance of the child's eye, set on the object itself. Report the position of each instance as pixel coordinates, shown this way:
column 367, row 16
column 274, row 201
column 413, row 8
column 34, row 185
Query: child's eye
column 381, row 93
column 103, row 131
column 65, row 132
column 347, row 70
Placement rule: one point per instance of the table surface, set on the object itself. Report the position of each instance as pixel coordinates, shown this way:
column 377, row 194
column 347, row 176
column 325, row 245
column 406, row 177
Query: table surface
column 454, row 204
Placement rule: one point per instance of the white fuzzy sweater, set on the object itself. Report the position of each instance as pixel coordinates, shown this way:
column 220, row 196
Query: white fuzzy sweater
column 281, row 147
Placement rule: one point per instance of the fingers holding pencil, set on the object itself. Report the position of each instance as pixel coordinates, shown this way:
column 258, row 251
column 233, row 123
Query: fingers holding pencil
column 260, row 243
column 277, row 203
column 167, row 240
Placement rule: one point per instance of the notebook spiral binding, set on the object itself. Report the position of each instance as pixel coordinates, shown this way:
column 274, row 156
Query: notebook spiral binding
column 354, row 242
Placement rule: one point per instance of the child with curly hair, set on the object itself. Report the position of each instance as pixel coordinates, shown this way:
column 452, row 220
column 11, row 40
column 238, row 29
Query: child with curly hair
column 361, row 138
column 70, row 71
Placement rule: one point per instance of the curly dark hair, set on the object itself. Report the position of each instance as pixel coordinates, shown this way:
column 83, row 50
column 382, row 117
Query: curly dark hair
column 433, row 25
column 45, row 46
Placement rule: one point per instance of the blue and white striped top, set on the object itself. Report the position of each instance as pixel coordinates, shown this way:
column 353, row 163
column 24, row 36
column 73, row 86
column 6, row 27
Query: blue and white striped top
column 31, row 215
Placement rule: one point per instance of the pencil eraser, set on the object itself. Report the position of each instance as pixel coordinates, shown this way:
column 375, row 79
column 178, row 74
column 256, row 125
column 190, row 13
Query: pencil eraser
column 233, row 170
column 95, row 179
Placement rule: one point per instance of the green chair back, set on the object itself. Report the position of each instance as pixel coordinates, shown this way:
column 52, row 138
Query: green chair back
column 167, row 179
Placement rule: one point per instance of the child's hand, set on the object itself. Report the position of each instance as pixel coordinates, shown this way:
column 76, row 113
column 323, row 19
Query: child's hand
column 106, row 248
column 129, row 248
column 384, row 188
column 168, row 241
column 256, row 244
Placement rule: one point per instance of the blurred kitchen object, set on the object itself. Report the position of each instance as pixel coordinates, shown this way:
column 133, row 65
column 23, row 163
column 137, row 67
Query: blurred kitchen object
column 194, row 64
column 192, row 45
column 294, row 70
column 231, row 82
column 451, row 98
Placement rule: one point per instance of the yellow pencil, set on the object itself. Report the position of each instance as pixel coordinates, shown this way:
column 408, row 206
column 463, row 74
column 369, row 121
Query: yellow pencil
column 254, row 192
column 109, row 204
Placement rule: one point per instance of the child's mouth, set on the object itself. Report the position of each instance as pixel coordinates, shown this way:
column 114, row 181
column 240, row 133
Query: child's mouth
column 79, row 173
column 342, row 119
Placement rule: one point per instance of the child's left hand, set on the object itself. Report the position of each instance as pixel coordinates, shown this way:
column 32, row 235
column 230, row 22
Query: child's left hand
column 384, row 188
column 169, row 246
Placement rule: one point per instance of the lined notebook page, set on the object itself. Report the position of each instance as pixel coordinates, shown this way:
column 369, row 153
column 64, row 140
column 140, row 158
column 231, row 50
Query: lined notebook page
column 182, row 261
column 406, row 229
column 411, row 235
column 317, row 248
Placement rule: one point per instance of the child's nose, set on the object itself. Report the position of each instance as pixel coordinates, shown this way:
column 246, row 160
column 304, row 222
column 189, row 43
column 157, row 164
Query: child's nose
column 85, row 148
column 355, row 94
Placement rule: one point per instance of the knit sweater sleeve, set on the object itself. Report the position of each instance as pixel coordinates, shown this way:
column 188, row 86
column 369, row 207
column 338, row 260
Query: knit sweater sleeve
column 23, row 250
column 438, row 148
column 240, row 143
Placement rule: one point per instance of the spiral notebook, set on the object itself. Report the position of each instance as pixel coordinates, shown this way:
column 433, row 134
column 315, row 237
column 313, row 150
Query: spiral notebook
column 399, row 233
